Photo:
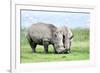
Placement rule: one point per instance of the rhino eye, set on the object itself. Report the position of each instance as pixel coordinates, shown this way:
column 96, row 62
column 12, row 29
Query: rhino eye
column 55, row 35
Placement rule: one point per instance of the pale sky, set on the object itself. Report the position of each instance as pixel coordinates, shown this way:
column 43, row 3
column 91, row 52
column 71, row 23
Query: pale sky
column 70, row 19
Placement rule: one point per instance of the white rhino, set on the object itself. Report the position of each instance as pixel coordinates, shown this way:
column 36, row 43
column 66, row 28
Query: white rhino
column 46, row 34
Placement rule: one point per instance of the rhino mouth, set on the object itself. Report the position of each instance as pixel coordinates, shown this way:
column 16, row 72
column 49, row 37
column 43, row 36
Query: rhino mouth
column 60, row 49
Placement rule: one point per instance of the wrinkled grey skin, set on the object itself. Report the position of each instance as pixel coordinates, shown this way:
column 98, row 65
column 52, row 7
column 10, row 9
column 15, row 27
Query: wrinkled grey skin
column 67, row 38
column 46, row 34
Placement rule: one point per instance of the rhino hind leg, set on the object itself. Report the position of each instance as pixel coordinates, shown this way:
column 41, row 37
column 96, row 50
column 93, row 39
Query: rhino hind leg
column 32, row 44
column 55, row 49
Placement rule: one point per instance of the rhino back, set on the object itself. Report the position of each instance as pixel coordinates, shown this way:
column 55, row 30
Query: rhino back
column 41, row 31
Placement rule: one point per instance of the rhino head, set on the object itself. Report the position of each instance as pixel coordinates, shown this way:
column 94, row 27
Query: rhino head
column 62, row 40
column 58, row 41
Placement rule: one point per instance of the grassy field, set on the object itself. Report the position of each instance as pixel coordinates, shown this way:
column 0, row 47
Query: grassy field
column 79, row 49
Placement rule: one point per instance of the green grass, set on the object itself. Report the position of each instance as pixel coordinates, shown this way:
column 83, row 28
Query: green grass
column 79, row 50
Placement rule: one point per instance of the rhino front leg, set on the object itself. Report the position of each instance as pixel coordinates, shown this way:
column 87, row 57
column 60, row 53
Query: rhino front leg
column 46, row 43
column 31, row 43
column 54, row 49
column 67, row 51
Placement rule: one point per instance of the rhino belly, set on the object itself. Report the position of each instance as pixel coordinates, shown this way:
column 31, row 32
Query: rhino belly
column 40, row 36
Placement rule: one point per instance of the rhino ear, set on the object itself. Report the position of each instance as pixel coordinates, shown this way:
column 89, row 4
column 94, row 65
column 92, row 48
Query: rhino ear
column 70, row 35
